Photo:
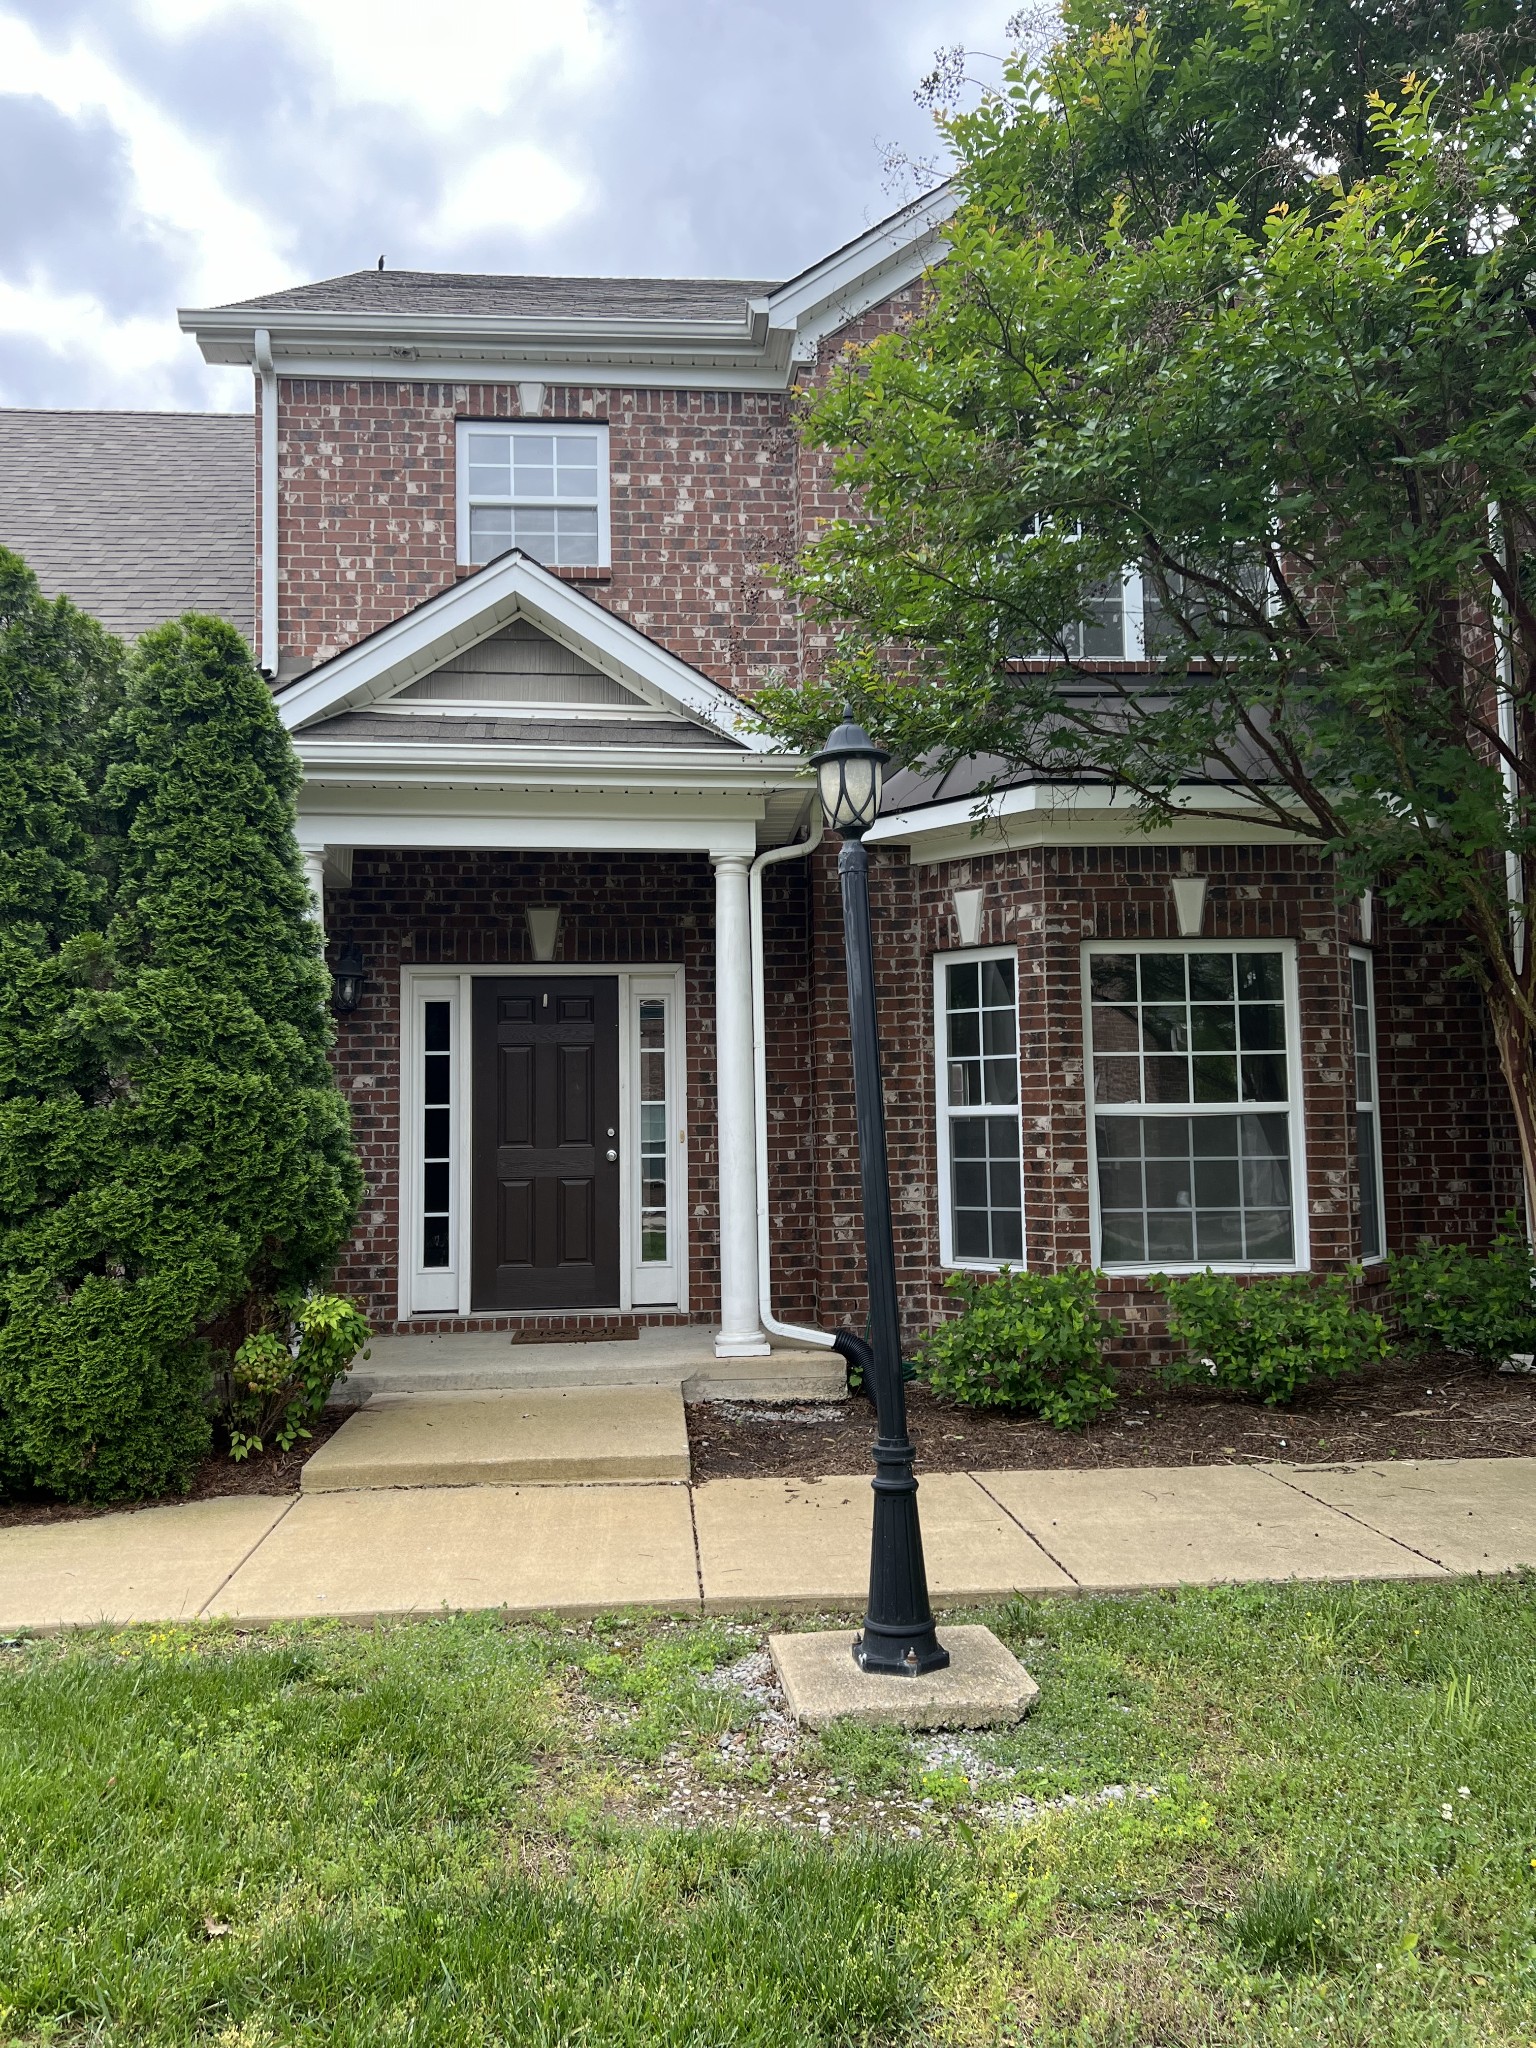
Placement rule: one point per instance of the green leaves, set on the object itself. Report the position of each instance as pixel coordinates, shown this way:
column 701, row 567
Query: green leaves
column 1268, row 1339
column 1449, row 1297
column 1031, row 1341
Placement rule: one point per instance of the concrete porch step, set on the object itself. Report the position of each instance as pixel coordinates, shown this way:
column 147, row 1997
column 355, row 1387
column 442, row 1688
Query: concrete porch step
column 486, row 1361
column 539, row 1436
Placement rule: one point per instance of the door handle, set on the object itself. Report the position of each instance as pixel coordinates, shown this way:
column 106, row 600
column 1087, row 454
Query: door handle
column 611, row 1153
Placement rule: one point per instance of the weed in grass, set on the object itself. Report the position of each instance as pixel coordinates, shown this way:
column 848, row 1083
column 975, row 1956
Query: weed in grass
column 1288, row 1923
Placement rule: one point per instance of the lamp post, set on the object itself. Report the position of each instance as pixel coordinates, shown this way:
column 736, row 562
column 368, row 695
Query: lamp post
column 898, row 1634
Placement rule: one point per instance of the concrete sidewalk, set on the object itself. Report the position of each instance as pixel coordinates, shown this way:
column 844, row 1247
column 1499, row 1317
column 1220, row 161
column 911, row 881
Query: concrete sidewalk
column 754, row 1543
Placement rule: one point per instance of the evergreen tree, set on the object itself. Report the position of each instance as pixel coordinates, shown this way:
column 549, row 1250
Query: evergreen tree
column 214, row 1164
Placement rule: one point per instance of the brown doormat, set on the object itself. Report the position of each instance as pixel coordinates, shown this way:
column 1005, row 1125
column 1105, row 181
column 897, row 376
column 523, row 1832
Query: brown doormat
column 610, row 1333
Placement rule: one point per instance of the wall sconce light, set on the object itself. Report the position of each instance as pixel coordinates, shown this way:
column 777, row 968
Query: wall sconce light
column 543, row 929
column 347, row 979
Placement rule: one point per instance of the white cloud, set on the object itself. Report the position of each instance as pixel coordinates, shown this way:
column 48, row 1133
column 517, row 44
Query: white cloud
column 517, row 186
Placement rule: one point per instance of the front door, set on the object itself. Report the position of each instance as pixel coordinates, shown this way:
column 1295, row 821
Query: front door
column 546, row 1142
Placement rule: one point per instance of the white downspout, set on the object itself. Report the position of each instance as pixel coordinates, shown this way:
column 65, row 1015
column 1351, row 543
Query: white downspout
column 796, row 850
column 267, row 652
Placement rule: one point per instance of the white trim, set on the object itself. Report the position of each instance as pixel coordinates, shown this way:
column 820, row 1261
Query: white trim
column 419, row 984
column 1069, row 814
column 463, row 503
column 945, row 1111
column 513, row 586
column 662, row 1284
column 1368, row 960
column 268, row 650
column 434, row 1290
column 1294, row 1108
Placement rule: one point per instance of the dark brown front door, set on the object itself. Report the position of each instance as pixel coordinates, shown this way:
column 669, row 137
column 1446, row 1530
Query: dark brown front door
column 546, row 1147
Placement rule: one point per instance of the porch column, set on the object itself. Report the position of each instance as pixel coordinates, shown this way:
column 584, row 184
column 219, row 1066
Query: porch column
column 314, row 874
column 741, row 1333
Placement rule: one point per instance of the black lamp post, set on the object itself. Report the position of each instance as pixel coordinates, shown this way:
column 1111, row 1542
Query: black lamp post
column 898, row 1634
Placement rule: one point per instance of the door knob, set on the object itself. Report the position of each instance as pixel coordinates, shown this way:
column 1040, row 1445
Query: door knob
column 611, row 1153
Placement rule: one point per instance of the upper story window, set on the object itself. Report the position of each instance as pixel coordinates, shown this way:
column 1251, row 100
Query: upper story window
column 1128, row 621
column 541, row 487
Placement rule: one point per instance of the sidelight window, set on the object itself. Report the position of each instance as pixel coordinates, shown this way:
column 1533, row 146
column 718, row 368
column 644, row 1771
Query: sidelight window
column 437, row 1134
column 1193, row 1096
column 982, row 1209
column 1367, row 1108
column 535, row 486
column 654, row 1119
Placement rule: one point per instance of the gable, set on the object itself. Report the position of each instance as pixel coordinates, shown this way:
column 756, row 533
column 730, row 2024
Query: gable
column 516, row 668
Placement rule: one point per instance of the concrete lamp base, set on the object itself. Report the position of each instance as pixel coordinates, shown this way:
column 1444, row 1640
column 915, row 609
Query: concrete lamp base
column 985, row 1685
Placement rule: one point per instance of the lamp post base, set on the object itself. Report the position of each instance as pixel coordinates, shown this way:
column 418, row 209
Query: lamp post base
column 897, row 1653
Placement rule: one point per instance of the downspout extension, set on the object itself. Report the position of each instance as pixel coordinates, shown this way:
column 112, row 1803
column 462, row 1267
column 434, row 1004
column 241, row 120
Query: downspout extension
column 797, row 849
column 267, row 370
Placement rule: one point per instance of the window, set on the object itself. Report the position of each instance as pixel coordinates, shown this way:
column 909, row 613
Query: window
column 1192, row 1094
column 982, row 1208
column 1367, row 1108
column 437, row 1134
column 540, row 488
column 652, row 1022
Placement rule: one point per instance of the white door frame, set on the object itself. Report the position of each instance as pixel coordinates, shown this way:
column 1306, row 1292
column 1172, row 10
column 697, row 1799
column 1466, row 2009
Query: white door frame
column 446, row 1291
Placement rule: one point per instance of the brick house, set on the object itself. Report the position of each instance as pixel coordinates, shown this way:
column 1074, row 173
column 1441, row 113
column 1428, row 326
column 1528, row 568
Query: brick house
column 516, row 551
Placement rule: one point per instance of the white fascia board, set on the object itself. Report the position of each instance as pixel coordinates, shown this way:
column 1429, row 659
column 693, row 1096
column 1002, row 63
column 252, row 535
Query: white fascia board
column 468, row 612
column 885, row 246
column 674, row 770
column 219, row 330
column 1067, row 814
column 402, row 824
column 769, row 372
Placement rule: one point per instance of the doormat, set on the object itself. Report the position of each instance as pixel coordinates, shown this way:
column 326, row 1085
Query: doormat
column 610, row 1333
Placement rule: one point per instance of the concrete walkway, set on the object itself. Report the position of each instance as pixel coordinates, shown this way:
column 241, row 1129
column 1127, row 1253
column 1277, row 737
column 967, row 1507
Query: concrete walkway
column 756, row 1543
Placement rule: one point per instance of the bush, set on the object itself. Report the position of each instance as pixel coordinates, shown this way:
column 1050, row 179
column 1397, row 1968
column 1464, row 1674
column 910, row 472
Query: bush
column 277, row 1382
column 197, row 1158
column 1267, row 1339
column 1031, row 1341
column 1451, row 1298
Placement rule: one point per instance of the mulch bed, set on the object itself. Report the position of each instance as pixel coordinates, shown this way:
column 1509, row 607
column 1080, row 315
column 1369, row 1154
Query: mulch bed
column 271, row 1472
column 1429, row 1407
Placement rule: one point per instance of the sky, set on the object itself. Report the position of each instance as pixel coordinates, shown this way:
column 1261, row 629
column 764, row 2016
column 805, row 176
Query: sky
column 165, row 153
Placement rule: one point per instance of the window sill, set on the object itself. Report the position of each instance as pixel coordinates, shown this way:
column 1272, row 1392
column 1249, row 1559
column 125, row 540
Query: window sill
column 1205, row 1266
column 463, row 570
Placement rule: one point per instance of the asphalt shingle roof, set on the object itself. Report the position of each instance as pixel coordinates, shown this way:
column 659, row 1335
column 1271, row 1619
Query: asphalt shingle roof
column 435, row 291
column 139, row 516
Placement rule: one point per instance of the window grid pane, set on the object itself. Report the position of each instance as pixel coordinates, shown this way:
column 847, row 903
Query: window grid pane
column 437, row 1134
column 536, row 491
column 1189, row 1027
column 979, row 1094
column 653, row 1131
column 1195, row 1190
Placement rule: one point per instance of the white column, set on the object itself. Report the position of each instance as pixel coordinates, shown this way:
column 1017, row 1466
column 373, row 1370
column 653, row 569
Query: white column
column 741, row 1333
column 314, row 874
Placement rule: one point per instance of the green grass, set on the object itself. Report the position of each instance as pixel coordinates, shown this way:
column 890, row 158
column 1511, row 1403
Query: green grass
column 460, row 1831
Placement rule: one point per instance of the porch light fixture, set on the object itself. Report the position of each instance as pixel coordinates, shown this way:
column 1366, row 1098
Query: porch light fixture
column 848, row 774
column 898, row 1635
column 347, row 979
column 543, row 929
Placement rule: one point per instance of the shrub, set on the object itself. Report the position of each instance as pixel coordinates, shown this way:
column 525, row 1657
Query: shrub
column 1450, row 1298
column 202, row 1160
column 1031, row 1341
column 1268, row 1339
column 277, row 1382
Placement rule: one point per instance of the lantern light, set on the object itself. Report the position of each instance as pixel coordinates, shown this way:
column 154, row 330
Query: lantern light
column 347, row 979
column 848, row 775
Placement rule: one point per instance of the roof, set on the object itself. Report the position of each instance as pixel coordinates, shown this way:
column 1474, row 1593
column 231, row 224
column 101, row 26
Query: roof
column 454, row 292
column 138, row 516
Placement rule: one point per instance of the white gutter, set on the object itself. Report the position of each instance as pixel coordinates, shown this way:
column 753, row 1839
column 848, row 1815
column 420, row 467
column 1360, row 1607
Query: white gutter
column 267, row 369
column 796, row 850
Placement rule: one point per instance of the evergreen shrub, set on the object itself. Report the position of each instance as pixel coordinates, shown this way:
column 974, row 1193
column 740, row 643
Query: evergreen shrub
column 1267, row 1339
column 197, row 1160
column 1448, row 1297
column 1030, row 1341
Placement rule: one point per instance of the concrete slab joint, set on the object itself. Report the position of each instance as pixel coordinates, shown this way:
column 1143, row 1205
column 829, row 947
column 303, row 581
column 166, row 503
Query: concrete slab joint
column 985, row 1685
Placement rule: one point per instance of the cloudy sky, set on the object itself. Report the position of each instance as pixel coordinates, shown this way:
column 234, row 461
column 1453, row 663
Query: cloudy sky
column 164, row 153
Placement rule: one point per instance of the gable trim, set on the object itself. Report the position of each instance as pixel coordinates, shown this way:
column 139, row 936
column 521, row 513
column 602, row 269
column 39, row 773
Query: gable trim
column 466, row 613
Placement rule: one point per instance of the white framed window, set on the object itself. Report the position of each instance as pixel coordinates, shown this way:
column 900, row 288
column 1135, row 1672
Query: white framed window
column 1127, row 622
column 1373, row 1242
column 538, row 485
column 434, row 1177
column 656, row 1147
column 1194, row 1106
column 976, row 1038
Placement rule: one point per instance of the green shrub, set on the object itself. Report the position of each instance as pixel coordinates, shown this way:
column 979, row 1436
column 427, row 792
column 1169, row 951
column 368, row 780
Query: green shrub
column 277, row 1382
column 195, row 1155
column 1449, row 1297
column 1268, row 1339
column 1031, row 1341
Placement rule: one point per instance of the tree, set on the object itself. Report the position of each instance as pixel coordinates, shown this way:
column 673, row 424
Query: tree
column 1312, row 426
column 210, row 1164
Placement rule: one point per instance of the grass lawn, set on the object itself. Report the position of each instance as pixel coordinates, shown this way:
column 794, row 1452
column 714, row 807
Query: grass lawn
column 464, row 1831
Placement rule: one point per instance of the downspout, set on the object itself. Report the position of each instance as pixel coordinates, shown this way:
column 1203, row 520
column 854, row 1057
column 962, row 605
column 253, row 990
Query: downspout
column 267, row 369
column 796, row 850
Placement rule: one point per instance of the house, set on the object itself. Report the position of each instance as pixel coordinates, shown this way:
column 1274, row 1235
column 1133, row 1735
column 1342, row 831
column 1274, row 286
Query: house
column 515, row 549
